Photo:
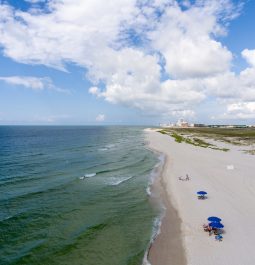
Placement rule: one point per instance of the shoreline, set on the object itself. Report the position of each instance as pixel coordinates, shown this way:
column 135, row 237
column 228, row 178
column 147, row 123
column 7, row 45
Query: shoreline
column 166, row 246
column 228, row 177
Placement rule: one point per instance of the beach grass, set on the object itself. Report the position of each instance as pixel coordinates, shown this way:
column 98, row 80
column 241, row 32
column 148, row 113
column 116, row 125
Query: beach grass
column 190, row 139
column 228, row 132
column 198, row 136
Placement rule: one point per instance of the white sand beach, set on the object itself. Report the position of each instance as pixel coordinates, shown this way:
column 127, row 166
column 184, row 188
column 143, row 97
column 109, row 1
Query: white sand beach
column 229, row 179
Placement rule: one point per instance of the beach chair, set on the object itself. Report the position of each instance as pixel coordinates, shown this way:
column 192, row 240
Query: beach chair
column 217, row 232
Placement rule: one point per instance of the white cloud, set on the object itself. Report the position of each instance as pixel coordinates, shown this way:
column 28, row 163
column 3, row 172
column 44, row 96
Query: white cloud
column 72, row 32
column 28, row 82
column 35, row 1
column 248, row 106
column 232, row 86
column 94, row 91
column 188, row 114
column 179, row 63
column 240, row 110
column 100, row 117
column 186, row 42
column 249, row 55
column 35, row 83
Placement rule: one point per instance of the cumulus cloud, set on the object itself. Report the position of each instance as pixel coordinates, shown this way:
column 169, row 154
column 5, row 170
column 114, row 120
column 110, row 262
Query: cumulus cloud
column 240, row 110
column 94, row 91
column 35, row 83
column 100, row 117
column 249, row 55
column 185, row 40
column 160, row 56
column 73, row 31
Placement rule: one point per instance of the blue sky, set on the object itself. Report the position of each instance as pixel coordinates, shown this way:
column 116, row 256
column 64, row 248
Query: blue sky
column 91, row 62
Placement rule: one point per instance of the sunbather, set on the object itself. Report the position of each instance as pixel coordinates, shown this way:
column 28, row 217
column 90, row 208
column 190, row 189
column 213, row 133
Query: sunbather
column 210, row 230
column 207, row 228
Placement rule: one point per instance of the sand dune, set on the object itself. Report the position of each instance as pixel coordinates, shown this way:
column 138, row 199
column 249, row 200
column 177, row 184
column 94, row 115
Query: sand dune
column 229, row 179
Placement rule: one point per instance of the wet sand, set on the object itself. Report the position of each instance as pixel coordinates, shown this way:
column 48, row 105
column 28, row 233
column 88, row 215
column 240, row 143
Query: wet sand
column 168, row 246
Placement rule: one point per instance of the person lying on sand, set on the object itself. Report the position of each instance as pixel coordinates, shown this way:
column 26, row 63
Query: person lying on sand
column 208, row 228
column 187, row 178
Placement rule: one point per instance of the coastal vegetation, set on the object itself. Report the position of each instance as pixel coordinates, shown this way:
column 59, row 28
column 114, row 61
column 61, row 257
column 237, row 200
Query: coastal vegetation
column 180, row 138
column 203, row 137
column 238, row 136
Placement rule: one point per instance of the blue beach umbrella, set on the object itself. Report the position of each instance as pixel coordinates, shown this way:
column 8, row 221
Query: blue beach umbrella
column 201, row 192
column 216, row 225
column 213, row 219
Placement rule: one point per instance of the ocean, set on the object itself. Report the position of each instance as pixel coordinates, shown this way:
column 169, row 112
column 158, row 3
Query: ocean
column 75, row 195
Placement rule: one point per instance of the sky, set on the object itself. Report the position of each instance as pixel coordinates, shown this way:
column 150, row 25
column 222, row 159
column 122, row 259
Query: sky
column 137, row 62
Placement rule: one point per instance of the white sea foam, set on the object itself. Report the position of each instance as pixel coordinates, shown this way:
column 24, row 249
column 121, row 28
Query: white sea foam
column 107, row 147
column 155, row 232
column 6, row 218
column 157, row 222
column 145, row 259
column 116, row 181
column 148, row 190
column 110, row 145
column 103, row 149
column 155, row 173
column 88, row 176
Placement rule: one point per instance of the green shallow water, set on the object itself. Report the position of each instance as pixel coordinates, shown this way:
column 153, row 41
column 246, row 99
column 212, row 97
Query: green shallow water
column 51, row 214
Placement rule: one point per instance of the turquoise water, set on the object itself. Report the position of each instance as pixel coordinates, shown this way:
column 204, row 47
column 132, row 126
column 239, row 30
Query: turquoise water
column 74, row 195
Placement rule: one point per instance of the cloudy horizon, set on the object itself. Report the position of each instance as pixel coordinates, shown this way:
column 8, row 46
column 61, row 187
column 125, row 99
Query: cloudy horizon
column 127, row 62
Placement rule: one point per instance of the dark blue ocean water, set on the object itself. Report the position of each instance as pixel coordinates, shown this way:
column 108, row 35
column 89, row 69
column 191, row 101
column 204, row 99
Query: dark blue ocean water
column 74, row 195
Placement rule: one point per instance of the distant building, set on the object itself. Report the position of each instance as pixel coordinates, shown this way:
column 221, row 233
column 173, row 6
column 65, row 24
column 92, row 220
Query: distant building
column 182, row 123
column 199, row 125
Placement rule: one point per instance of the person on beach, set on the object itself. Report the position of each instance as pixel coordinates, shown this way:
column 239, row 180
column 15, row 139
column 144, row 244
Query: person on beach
column 187, row 178
column 208, row 229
